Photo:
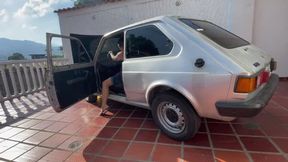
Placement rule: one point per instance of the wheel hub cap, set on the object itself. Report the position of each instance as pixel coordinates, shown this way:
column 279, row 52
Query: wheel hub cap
column 171, row 117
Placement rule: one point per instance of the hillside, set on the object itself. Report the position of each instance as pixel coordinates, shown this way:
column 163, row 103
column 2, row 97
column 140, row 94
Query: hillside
column 8, row 47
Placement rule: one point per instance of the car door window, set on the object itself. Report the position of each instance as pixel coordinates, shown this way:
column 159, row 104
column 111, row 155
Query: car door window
column 89, row 42
column 147, row 41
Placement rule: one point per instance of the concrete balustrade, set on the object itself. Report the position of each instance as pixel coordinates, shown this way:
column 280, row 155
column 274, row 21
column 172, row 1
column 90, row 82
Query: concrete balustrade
column 18, row 78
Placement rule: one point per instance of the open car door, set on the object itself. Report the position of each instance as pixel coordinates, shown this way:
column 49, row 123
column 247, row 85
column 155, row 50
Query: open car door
column 69, row 83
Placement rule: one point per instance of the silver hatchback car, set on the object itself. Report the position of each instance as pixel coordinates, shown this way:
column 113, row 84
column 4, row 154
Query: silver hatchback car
column 179, row 68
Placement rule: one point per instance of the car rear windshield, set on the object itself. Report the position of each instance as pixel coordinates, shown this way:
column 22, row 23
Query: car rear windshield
column 216, row 33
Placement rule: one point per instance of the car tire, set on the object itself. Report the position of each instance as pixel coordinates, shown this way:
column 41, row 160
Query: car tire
column 175, row 116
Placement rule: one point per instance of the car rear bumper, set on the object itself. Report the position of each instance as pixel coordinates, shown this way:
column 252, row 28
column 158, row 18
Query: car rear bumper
column 251, row 107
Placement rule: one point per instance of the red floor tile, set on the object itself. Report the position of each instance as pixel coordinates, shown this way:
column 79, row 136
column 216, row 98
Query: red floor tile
column 197, row 154
column 230, row 156
column 56, row 155
column 147, row 135
column 281, row 100
column 90, row 131
column 44, row 116
column 100, row 121
column 104, row 159
column 115, row 148
column 220, row 128
column 34, row 154
column 29, row 123
column 11, row 132
column 149, row 124
column 258, row 144
column 215, row 121
column 247, row 129
column 6, row 144
column 202, row 127
column 276, row 109
column 42, row 125
column 19, row 123
column 200, row 139
column 124, row 113
column 56, row 127
column 267, row 158
column 125, row 134
column 275, row 131
column 167, row 140
column 225, row 141
column 70, row 143
column 139, row 114
column 107, row 132
column 165, row 153
column 133, row 123
column 70, row 118
column 15, row 151
column 24, row 135
column 71, row 128
column 38, row 138
column 138, row 151
column 55, row 140
column 79, row 157
column 95, row 146
column 57, row 117
column 2, row 130
column 282, row 143
column 116, row 122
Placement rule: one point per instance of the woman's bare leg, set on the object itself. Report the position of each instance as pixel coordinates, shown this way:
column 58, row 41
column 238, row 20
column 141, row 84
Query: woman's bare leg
column 105, row 92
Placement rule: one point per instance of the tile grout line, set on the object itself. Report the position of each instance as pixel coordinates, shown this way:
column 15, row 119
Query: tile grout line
column 282, row 107
column 210, row 140
column 241, row 143
column 108, row 139
column 154, row 146
column 112, row 138
column 274, row 144
column 133, row 138
column 182, row 151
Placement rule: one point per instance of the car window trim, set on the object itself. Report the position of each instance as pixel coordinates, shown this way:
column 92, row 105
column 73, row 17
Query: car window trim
column 158, row 27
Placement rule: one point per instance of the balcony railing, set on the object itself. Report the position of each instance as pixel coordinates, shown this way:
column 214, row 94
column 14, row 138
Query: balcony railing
column 18, row 78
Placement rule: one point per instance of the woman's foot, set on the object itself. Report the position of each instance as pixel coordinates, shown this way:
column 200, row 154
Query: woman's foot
column 104, row 109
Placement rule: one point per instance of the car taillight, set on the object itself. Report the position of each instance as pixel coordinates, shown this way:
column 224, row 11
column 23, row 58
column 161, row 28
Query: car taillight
column 263, row 77
column 246, row 85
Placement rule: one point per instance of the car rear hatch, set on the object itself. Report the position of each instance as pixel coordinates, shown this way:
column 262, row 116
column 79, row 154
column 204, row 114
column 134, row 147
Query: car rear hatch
column 250, row 58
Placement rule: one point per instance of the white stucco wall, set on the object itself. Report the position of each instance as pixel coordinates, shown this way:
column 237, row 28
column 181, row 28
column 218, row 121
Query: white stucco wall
column 270, row 31
column 234, row 15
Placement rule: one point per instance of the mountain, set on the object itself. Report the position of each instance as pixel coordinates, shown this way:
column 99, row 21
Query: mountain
column 8, row 47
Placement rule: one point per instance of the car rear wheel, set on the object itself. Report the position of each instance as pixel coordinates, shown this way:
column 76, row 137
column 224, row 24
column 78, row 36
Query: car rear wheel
column 175, row 116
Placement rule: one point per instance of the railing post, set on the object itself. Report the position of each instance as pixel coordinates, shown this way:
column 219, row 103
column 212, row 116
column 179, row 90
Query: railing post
column 27, row 77
column 5, row 82
column 39, row 75
column 12, row 77
column 20, row 78
column 33, row 77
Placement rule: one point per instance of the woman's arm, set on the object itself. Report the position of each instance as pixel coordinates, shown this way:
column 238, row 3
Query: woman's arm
column 117, row 57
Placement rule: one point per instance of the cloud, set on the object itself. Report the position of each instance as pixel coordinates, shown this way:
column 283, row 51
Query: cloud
column 25, row 26
column 37, row 8
column 4, row 15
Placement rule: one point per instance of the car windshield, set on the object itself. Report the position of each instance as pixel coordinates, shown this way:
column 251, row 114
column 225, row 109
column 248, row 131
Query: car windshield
column 217, row 34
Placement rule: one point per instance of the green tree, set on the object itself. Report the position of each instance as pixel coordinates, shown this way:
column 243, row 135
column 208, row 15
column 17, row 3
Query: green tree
column 16, row 56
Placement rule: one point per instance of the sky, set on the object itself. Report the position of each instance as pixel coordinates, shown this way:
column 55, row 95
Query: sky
column 30, row 19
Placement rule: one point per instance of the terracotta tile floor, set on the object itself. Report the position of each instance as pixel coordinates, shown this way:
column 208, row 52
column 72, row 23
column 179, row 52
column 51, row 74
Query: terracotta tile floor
column 128, row 133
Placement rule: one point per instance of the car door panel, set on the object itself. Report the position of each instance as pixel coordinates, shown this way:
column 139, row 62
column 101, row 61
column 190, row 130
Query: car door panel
column 68, row 84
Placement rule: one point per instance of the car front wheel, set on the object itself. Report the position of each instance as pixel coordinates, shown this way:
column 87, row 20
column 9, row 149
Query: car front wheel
column 175, row 116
